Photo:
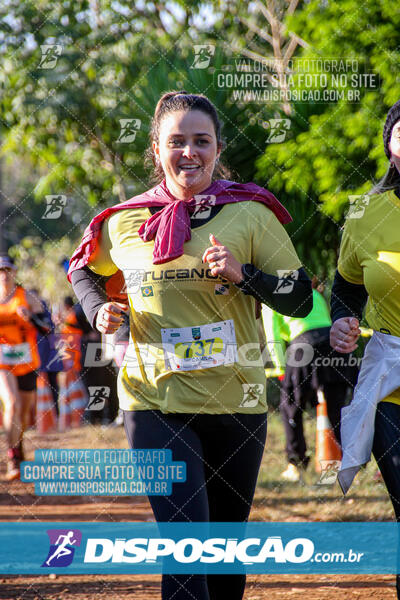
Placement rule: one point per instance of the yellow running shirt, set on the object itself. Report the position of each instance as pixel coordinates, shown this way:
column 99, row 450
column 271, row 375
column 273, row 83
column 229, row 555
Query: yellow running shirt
column 370, row 255
column 194, row 344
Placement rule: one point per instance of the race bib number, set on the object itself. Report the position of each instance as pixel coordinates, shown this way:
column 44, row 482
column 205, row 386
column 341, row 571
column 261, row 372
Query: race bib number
column 16, row 354
column 201, row 347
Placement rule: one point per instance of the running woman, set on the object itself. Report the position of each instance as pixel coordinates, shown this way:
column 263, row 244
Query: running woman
column 196, row 254
column 369, row 274
column 21, row 317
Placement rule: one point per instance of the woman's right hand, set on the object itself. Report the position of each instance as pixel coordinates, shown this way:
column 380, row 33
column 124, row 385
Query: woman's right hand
column 344, row 334
column 110, row 317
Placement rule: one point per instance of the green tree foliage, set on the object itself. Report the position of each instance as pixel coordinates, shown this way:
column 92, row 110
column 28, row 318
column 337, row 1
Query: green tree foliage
column 108, row 63
column 61, row 127
column 39, row 266
column 334, row 149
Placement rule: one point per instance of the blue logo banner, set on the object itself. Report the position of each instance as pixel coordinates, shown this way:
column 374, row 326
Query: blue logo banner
column 278, row 548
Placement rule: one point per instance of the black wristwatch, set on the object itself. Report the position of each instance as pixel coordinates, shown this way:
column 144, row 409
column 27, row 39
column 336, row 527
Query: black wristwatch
column 242, row 282
column 249, row 273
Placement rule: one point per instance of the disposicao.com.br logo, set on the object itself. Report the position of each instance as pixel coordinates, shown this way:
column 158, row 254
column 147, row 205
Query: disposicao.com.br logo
column 248, row 551
column 189, row 550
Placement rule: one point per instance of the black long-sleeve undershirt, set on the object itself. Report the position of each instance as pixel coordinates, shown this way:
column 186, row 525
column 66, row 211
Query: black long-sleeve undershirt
column 273, row 291
column 347, row 299
column 89, row 288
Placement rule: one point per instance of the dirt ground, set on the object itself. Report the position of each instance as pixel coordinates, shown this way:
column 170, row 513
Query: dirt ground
column 259, row 587
column 18, row 503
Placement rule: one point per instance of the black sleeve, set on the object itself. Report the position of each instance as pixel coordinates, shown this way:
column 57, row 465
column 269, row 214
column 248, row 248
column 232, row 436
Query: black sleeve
column 82, row 320
column 89, row 288
column 272, row 290
column 347, row 299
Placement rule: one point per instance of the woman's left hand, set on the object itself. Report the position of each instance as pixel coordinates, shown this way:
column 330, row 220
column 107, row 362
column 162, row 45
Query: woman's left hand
column 222, row 262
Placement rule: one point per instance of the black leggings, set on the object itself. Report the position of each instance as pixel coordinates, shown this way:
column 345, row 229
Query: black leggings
column 386, row 449
column 223, row 455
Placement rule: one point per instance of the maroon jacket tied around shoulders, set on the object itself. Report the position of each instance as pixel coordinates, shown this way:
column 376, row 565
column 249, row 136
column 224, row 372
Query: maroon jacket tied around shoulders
column 169, row 227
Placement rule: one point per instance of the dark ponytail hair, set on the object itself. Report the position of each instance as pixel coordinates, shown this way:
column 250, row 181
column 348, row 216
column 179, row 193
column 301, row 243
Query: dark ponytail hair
column 390, row 181
column 175, row 101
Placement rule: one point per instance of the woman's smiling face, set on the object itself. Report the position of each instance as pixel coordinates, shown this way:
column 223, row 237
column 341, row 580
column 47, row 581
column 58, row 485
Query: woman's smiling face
column 187, row 150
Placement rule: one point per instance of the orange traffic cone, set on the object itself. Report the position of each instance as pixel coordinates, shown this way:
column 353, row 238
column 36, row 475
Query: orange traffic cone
column 46, row 417
column 326, row 447
column 77, row 398
column 64, row 419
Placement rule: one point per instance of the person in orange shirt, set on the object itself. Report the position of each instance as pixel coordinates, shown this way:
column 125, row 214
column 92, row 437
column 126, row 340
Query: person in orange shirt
column 20, row 319
column 72, row 332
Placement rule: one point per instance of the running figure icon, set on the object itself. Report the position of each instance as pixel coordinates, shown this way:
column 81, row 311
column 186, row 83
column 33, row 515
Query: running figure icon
column 62, row 542
column 98, row 396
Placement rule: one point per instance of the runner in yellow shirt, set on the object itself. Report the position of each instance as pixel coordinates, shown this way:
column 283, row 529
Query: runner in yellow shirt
column 183, row 306
column 369, row 269
column 196, row 255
